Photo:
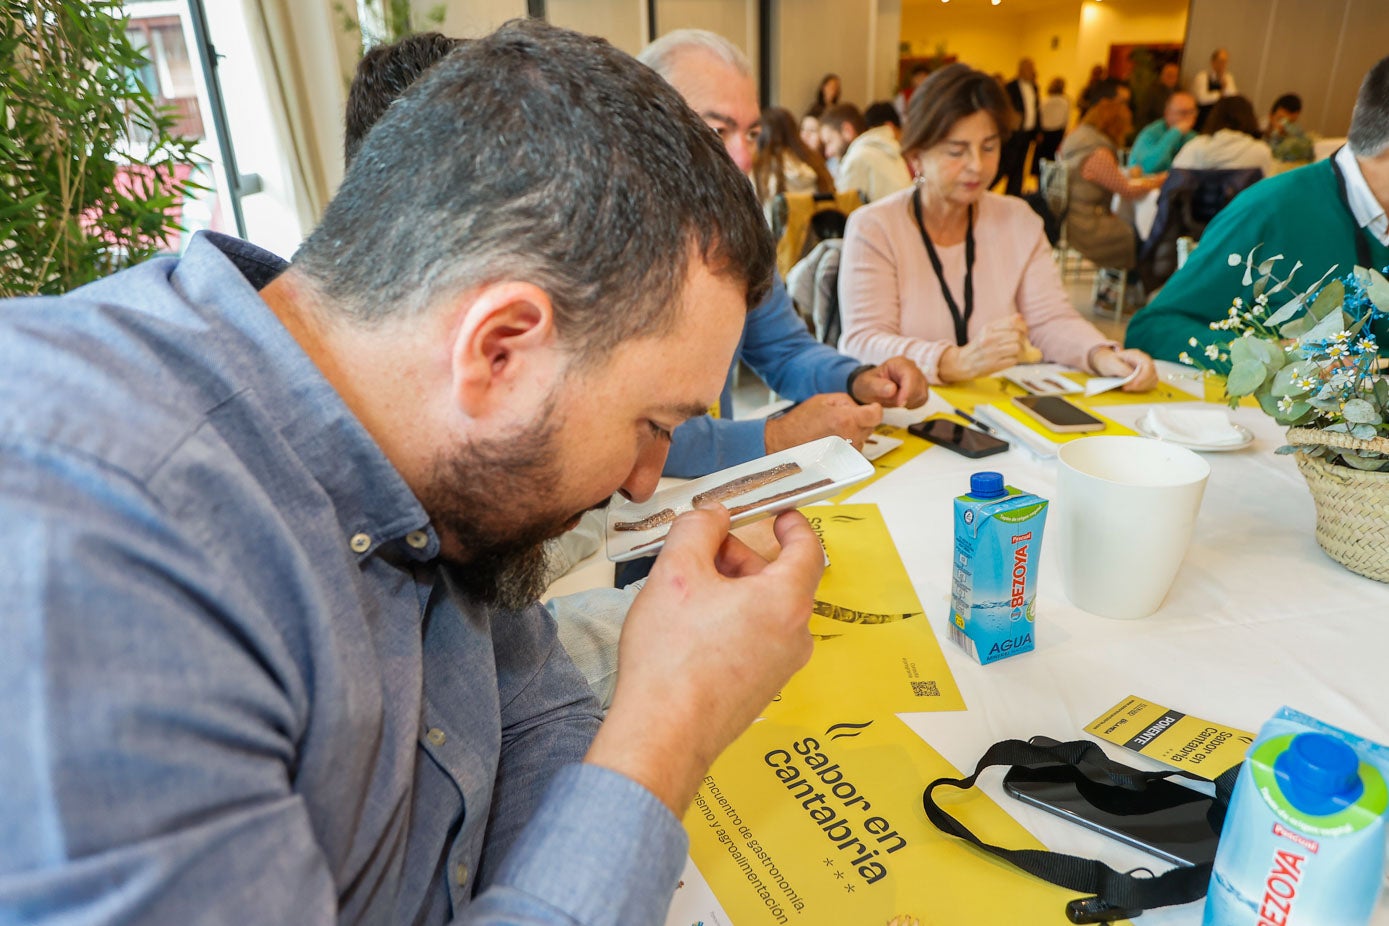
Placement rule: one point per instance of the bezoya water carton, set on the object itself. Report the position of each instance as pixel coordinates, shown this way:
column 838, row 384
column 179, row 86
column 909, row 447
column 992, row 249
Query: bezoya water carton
column 1303, row 840
column 993, row 583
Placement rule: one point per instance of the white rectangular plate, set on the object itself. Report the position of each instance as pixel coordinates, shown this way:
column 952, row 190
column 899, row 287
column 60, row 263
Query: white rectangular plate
column 832, row 461
column 1041, row 379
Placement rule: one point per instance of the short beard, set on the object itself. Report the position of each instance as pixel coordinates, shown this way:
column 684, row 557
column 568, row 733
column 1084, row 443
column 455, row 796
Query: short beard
column 488, row 502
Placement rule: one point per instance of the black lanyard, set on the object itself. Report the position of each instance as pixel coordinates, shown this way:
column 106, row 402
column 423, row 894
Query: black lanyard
column 1362, row 244
column 961, row 321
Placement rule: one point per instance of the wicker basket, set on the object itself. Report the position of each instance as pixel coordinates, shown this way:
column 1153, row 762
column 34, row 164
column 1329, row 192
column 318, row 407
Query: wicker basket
column 1352, row 504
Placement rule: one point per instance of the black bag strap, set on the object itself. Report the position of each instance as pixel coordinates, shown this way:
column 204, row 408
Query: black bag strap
column 1116, row 895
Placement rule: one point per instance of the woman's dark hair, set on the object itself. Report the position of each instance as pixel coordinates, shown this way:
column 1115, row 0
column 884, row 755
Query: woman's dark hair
column 781, row 137
column 1233, row 112
column 946, row 97
column 1288, row 102
column 821, row 104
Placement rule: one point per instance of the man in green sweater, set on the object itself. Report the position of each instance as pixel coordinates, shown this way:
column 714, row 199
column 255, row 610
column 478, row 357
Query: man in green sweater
column 1328, row 213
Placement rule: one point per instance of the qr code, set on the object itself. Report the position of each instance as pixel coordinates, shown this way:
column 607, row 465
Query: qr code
column 925, row 690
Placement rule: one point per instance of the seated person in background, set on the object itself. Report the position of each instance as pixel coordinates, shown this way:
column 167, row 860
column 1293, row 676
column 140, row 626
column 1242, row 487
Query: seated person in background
column 1331, row 212
column 1230, row 139
column 278, row 528
column 1159, row 141
column 1284, row 136
column 918, row 73
column 783, row 164
column 884, row 113
column 1154, row 104
column 870, row 160
column 1090, row 153
column 954, row 276
column 837, row 394
column 383, row 74
column 810, row 134
column 1053, row 119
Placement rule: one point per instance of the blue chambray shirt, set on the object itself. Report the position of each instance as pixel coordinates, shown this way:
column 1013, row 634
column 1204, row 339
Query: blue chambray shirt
column 236, row 685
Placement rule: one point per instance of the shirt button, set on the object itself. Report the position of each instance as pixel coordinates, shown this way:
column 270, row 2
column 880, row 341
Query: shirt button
column 436, row 736
column 460, row 874
column 417, row 539
column 360, row 543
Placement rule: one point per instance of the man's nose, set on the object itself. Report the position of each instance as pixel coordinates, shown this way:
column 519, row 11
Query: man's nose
column 740, row 149
column 641, row 482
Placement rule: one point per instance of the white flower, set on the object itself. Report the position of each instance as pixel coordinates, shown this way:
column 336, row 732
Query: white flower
column 1192, row 342
column 1341, row 337
column 1261, row 299
column 1212, row 351
column 1285, row 404
column 1184, row 357
column 1239, row 303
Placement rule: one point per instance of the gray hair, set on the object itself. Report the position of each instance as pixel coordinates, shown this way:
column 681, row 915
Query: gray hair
column 662, row 54
column 1369, row 123
column 542, row 155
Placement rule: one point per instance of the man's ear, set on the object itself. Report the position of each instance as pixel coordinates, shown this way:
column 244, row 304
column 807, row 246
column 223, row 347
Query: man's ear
column 503, row 348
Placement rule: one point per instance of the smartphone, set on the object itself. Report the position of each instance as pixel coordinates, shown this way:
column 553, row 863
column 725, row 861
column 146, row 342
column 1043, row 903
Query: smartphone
column 1164, row 819
column 1058, row 414
column 954, row 436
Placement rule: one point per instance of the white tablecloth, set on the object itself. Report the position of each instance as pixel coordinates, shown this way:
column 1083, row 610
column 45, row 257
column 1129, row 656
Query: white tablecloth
column 1258, row 617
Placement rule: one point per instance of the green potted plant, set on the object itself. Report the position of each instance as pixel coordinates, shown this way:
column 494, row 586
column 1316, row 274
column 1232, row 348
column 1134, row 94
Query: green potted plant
column 91, row 176
column 1313, row 365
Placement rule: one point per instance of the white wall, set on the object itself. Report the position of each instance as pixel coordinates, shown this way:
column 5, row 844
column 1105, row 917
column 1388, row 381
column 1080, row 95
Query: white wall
column 622, row 22
column 471, row 18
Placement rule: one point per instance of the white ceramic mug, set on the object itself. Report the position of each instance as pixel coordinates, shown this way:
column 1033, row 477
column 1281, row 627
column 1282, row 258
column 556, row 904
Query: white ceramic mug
column 1124, row 513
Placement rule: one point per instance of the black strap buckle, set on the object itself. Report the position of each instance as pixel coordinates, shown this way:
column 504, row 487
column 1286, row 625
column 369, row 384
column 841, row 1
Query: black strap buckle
column 1097, row 910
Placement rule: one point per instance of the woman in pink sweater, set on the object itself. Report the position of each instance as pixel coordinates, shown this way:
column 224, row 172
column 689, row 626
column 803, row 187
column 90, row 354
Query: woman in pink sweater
column 953, row 276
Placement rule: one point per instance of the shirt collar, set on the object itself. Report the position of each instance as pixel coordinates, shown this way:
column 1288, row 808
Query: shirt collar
column 1366, row 209
column 221, row 277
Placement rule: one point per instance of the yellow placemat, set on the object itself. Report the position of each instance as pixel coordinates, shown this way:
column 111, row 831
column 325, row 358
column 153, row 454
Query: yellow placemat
column 911, row 446
column 865, row 582
column 995, row 389
column 823, row 824
column 874, row 652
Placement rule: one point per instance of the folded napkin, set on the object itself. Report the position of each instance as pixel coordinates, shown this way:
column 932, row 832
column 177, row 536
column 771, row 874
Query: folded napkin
column 1208, row 426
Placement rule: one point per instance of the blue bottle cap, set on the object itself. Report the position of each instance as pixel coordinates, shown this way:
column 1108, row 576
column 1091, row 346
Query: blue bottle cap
column 1319, row 774
column 987, row 485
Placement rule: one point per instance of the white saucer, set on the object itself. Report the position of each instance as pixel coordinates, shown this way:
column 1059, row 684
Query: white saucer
column 1246, row 438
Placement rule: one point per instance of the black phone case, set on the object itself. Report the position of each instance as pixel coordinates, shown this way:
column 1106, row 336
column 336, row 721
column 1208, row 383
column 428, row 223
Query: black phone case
column 922, row 429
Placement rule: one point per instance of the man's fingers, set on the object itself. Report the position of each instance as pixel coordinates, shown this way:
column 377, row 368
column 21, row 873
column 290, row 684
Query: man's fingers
column 801, row 554
column 736, row 559
column 695, row 536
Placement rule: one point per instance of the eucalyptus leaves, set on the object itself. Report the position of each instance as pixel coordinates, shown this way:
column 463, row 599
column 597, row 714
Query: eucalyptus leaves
column 1313, row 362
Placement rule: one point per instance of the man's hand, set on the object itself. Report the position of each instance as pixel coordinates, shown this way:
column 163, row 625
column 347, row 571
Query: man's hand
column 829, row 414
column 1109, row 362
column 997, row 347
column 895, row 383
column 708, row 642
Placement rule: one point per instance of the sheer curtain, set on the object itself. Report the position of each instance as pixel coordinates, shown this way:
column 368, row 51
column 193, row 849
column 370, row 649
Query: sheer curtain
column 306, row 57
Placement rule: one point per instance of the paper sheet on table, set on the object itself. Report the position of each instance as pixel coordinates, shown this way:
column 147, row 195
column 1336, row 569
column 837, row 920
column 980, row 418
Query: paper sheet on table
column 822, row 823
column 1098, row 384
column 875, row 651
